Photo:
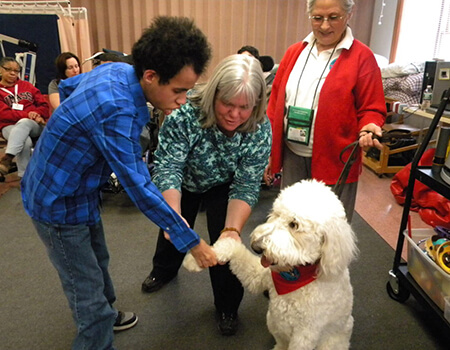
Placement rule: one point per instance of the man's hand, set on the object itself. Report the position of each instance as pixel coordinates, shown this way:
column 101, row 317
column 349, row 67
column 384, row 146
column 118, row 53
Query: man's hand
column 204, row 255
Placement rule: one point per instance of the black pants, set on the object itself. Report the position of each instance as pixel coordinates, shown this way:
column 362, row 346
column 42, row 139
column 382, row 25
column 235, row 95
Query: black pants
column 228, row 291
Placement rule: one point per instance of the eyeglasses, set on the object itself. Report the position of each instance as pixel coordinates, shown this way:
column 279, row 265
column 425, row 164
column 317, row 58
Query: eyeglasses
column 333, row 19
column 9, row 70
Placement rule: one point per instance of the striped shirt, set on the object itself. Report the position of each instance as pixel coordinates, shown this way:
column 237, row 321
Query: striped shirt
column 95, row 131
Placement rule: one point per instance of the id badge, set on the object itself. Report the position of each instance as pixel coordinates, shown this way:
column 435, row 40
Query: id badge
column 299, row 121
column 17, row 107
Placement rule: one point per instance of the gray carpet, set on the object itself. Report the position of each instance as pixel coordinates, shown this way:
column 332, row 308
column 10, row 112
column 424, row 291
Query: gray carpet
column 35, row 314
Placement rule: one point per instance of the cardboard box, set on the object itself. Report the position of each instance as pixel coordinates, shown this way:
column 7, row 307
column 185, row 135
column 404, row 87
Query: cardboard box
column 434, row 281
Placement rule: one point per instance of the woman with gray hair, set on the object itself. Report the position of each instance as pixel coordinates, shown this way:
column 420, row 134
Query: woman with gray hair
column 213, row 152
column 327, row 93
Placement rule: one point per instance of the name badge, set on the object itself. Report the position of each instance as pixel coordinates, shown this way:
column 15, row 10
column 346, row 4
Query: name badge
column 299, row 121
column 17, row 107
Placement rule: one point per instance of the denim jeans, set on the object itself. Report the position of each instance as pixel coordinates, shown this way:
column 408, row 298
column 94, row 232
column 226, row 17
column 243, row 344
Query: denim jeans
column 80, row 255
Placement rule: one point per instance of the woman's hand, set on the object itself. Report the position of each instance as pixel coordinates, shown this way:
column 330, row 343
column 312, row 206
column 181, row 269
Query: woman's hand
column 366, row 136
column 230, row 234
column 33, row 115
column 40, row 120
column 36, row 117
column 267, row 177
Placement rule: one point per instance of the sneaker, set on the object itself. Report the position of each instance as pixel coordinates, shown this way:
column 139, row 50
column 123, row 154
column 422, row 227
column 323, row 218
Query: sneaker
column 124, row 321
column 227, row 323
column 5, row 164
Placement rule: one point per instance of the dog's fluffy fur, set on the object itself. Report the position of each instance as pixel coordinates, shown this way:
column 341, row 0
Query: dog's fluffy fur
column 307, row 225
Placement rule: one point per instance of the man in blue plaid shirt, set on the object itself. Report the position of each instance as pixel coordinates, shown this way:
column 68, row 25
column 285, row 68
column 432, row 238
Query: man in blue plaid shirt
column 95, row 131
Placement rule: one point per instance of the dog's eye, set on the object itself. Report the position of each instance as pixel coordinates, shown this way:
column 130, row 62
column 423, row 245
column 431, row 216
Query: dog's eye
column 293, row 225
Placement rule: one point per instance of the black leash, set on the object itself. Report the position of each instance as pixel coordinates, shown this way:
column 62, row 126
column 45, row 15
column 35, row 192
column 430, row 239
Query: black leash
column 339, row 186
column 390, row 138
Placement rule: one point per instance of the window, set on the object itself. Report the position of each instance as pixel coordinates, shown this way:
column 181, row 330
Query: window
column 424, row 31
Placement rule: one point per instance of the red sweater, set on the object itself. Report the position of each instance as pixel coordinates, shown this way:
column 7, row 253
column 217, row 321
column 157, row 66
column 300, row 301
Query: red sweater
column 351, row 97
column 28, row 96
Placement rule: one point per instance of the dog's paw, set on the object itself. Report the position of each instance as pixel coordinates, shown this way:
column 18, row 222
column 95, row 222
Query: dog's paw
column 225, row 248
column 190, row 264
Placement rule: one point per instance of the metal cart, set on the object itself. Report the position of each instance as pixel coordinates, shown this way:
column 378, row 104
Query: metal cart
column 401, row 284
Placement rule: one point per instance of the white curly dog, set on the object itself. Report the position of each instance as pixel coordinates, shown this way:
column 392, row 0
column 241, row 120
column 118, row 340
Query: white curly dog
column 306, row 246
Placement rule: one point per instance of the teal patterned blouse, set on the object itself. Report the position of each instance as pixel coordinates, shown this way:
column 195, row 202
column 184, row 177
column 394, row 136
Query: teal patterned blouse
column 198, row 159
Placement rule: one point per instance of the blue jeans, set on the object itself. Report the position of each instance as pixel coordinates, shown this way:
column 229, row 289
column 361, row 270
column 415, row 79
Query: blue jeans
column 80, row 255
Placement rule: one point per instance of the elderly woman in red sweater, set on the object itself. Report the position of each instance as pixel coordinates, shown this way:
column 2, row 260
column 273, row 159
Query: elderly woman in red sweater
column 327, row 93
column 23, row 114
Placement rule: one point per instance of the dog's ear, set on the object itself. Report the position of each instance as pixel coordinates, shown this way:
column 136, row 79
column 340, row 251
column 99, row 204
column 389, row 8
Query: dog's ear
column 339, row 246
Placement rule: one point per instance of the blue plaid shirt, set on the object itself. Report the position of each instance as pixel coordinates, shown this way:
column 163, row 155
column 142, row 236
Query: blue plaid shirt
column 95, row 131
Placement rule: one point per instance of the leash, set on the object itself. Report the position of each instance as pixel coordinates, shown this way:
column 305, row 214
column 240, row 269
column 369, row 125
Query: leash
column 339, row 186
column 390, row 138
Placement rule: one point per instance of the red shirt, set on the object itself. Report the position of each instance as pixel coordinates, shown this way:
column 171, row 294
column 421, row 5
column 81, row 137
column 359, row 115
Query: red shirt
column 28, row 96
column 352, row 96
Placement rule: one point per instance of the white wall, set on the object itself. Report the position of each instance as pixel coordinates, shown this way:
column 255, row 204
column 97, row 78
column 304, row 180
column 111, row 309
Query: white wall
column 381, row 36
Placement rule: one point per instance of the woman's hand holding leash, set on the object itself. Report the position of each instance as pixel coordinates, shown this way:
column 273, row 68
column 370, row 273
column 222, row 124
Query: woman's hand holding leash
column 368, row 136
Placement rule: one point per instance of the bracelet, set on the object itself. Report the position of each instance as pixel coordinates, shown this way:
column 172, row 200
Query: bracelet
column 230, row 229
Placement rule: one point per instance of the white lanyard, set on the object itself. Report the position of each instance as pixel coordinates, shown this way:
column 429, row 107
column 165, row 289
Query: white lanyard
column 13, row 94
column 16, row 105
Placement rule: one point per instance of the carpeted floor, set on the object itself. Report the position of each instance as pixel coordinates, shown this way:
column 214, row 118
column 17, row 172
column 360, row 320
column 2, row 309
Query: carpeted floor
column 35, row 314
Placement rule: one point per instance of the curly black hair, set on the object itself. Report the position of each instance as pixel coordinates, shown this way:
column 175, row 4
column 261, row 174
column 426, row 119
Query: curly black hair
column 169, row 44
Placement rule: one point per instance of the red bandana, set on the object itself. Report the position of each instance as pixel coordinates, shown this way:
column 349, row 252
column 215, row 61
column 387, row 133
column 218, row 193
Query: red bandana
column 286, row 282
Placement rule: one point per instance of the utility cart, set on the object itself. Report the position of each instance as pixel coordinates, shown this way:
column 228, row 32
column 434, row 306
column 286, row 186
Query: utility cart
column 419, row 277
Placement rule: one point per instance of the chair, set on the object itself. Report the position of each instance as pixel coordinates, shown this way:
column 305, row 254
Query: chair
column 381, row 165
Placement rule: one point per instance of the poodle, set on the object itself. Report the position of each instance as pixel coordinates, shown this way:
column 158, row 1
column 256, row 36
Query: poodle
column 306, row 246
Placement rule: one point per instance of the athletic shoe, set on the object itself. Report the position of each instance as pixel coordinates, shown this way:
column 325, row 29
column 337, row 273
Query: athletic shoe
column 124, row 321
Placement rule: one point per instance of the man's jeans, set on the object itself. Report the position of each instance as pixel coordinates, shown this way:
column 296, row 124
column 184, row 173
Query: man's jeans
column 80, row 255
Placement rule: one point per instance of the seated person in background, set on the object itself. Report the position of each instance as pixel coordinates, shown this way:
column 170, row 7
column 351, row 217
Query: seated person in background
column 67, row 66
column 250, row 51
column 23, row 114
column 106, row 58
column 213, row 151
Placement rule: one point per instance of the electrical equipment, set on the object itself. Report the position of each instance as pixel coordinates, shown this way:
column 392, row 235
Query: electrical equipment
column 441, row 83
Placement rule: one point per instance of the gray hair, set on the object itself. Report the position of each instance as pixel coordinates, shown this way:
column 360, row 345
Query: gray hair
column 233, row 76
column 347, row 5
